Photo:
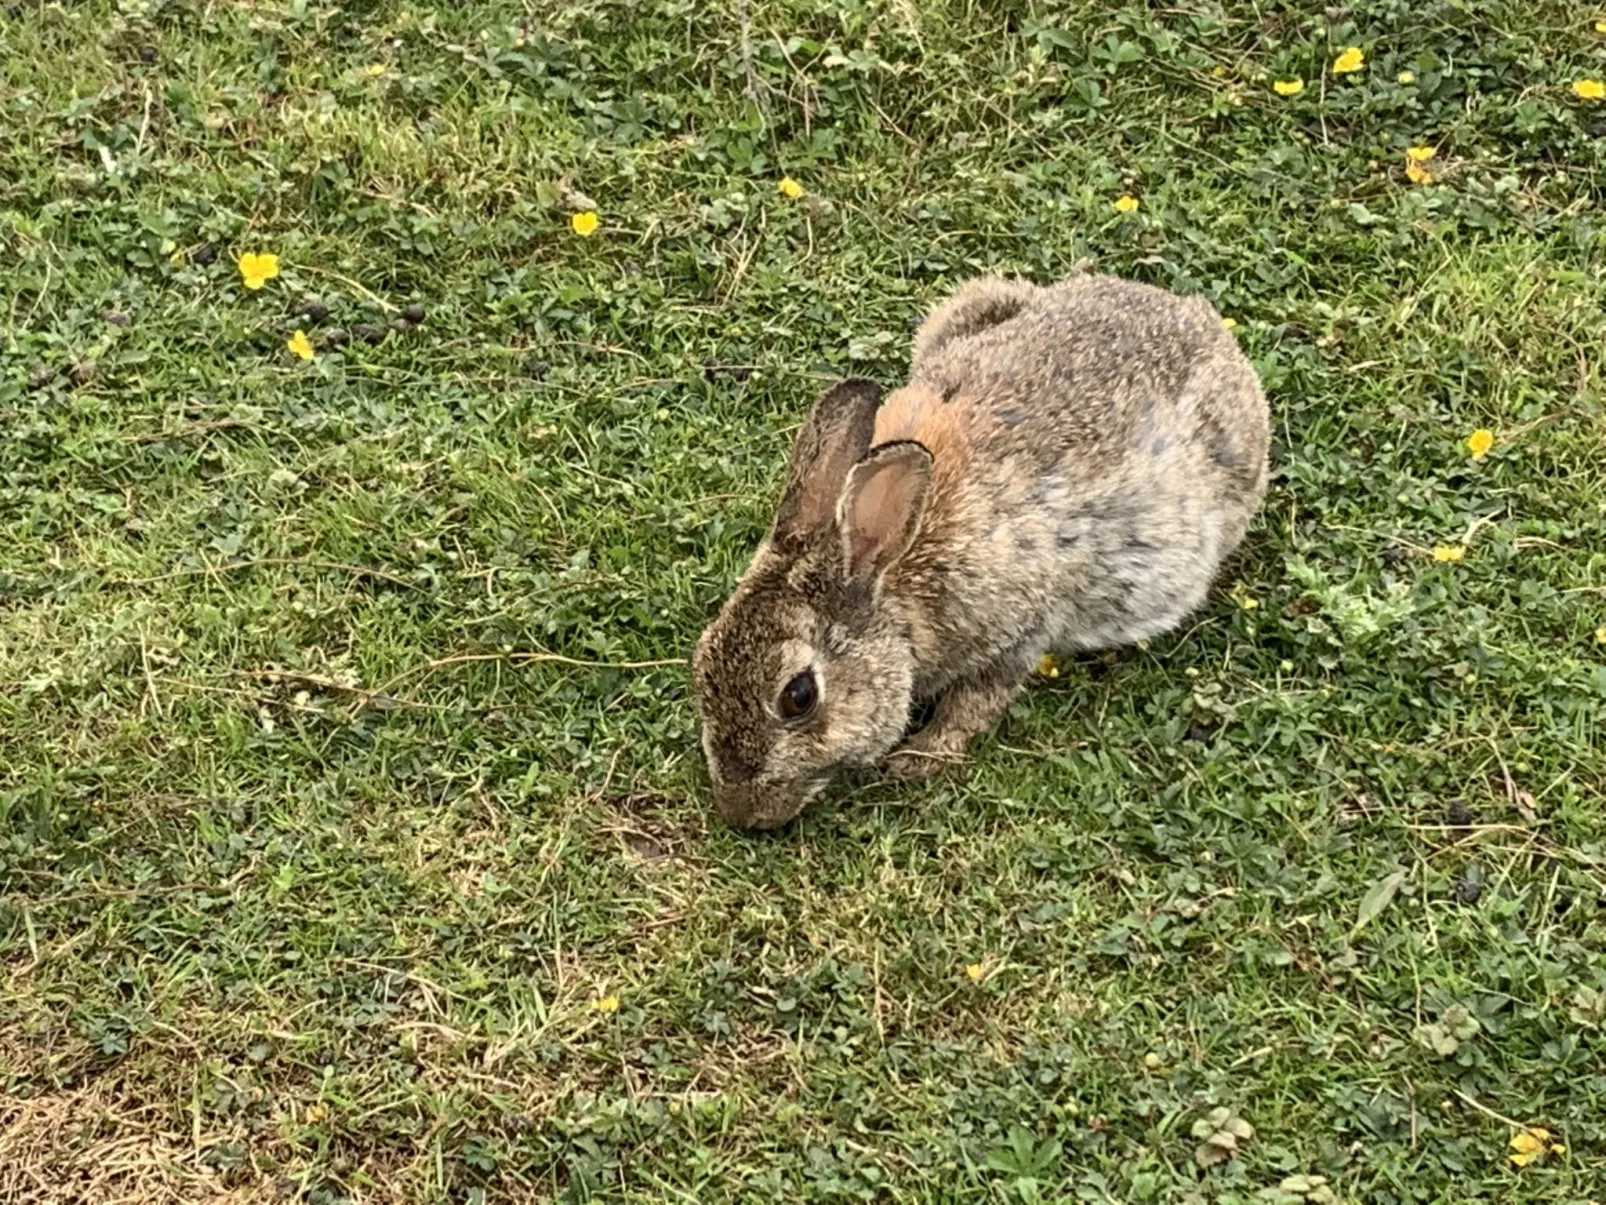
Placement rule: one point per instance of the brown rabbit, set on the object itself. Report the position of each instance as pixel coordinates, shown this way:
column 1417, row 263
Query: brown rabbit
column 1065, row 470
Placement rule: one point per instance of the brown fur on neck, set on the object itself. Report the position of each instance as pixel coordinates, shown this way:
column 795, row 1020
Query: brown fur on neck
column 919, row 412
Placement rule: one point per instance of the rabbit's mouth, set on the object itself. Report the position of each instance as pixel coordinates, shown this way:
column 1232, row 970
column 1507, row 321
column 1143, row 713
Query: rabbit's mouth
column 764, row 804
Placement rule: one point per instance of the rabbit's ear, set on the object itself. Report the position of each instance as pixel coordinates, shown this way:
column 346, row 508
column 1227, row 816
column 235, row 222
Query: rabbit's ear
column 833, row 438
column 881, row 506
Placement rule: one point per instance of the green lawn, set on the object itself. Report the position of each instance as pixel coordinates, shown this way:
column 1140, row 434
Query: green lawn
column 355, row 843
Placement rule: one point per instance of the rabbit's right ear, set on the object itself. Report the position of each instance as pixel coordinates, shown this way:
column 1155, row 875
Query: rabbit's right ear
column 881, row 507
column 833, row 438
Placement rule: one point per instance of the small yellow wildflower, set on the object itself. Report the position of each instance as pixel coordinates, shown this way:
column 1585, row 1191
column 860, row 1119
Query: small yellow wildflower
column 1528, row 1145
column 1450, row 553
column 585, row 223
column 1048, row 667
column 1230, row 323
column 1405, row 77
column 1600, row 634
column 374, row 69
column 606, row 1004
column 1600, row 26
column 1288, row 87
column 974, row 971
column 1416, row 173
column 1353, row 59
column 1249, row 602
column 1125, row 204
column 316, row 1113
column 1479, row 443
column 1152, row 1061
column 791, row 189
column 257, row 268
column 301, row 345
column 1589, row 89
column 1420, row 154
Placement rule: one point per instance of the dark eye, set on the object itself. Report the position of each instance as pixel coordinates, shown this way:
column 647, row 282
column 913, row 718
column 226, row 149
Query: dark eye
column 799, row 696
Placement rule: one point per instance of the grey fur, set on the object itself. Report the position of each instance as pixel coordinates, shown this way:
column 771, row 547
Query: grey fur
column 1097, row 447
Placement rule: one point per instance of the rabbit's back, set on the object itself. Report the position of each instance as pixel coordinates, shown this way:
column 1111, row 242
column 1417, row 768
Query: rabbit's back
column 1099, row 445
column 1088, row 365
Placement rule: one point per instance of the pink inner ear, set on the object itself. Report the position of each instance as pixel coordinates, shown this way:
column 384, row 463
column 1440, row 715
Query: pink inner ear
column 880, row 513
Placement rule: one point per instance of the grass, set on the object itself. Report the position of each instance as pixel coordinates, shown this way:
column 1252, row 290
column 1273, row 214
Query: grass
column 348, row 772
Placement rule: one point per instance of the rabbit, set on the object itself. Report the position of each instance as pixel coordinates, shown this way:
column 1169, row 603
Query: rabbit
column 1065, row 470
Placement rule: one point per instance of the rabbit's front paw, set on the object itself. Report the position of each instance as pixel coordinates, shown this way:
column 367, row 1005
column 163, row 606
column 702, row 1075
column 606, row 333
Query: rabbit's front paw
column 966, row 709
column 914, row 761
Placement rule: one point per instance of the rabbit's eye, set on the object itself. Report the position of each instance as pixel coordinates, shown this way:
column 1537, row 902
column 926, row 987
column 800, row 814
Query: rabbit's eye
column 799, row 696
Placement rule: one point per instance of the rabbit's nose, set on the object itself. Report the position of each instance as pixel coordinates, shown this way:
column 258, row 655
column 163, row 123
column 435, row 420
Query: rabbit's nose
column 733, row 804
column 744, row 807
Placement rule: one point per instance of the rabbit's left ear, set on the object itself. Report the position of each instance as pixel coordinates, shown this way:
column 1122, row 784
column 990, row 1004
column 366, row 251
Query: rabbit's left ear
column 835, row 435
column 881, row 506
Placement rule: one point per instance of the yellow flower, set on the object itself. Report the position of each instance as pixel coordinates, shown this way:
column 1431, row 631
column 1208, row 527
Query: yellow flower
column 974, row 971
column 1153, row 1061
column 257, row 268
column 301, row 345
column 585, row 223
column 1420, row 154
column 1589, row 89
column 1600, row 26
column 1288, row 87
column 374, row 69
column 1353, row 59
column 1479, row 443
column 1048, row 667
column 1450, row 553
column 1528, row 1145
column 1125, row 204
column 1600, row 634
column 1416, row 173
column 606, row 1004
column 1249, row 602
column 1405, row 77
column 317, row 1113
column 791, row 189
column 1230, row 323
